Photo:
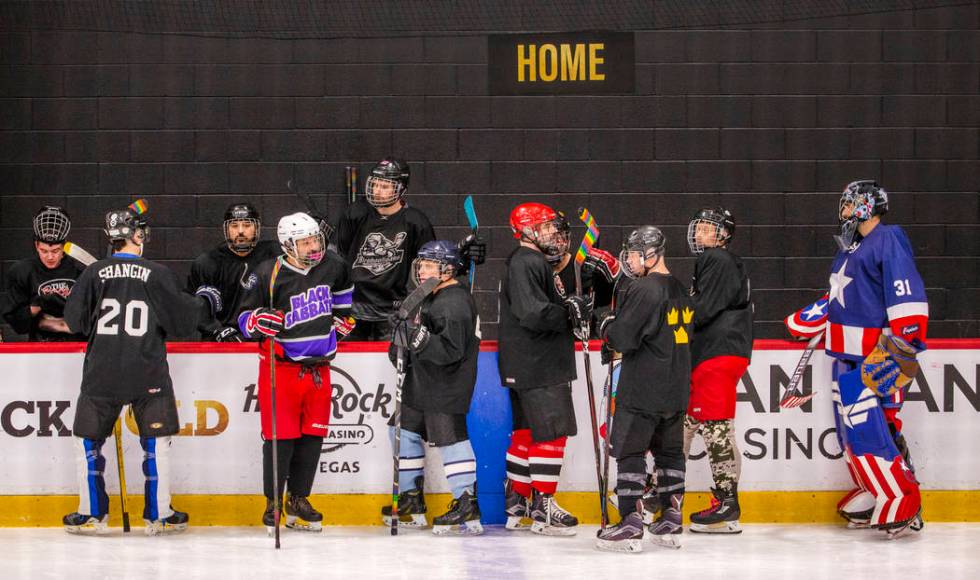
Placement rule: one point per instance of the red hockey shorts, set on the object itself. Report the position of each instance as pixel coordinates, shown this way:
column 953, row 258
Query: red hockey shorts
column 713, row 385
column 302, row 406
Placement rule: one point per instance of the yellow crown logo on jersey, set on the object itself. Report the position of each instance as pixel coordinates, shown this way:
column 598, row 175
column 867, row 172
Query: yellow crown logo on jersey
column 680, row 336
column 672, row 316
column 688, row 315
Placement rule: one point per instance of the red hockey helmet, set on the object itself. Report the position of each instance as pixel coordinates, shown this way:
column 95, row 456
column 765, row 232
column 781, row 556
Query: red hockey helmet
column 527, row 216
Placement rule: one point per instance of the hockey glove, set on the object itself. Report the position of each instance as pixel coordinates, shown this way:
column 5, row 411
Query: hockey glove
column 418, row 337
column 227, row 334
column 891, row 365
column 344, row 325
column 266, row 321
column 604, row 321
column 579, row 310
column 600, row 262
column 212, row 295
column 606, row 353
column 473, row 247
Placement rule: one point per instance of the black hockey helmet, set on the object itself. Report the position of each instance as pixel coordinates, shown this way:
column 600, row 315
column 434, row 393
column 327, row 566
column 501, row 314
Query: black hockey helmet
column 723, row 227
column 649, row 241
column 243, row 211
column 51, row 225
column 388, row 170
column 443, row 252
column 122, row 224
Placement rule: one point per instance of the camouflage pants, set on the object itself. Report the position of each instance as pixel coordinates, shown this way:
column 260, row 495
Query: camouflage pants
column 719, row 441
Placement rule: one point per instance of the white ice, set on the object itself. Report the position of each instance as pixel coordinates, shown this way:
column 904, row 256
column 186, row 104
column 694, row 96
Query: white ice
column 787, row 552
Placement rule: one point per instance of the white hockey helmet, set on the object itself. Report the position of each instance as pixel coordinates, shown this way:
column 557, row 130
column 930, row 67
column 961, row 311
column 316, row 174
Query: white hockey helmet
column 295, row 228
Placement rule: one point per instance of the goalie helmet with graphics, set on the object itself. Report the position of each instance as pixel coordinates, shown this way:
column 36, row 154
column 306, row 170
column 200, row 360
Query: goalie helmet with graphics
column 301, row 239
column 710, row 228
column 124, row 225
column 436, row 258
column 542, row 226
column 51, row 225
column 387, row 182
column 860, row 201
column 241, row 227
column 643, row 244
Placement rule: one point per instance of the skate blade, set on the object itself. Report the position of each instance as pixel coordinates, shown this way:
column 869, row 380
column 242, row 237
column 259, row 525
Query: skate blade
column 719, row 528
column 160, row 528
column 473, row 528
column 855, row 525
column 672, row 541
column 631, row 546
column 417, row 521
column 913, row 526
column 301, row 525
column 547, row 530
column 89, row 529
column 518, row 523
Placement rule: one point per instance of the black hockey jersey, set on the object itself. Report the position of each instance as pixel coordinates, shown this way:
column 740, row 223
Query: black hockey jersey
column 232, row 275
column 536, row 344
column 31, row 283
column 653, row 327
column 309, row 299
column 128, row 306
column 441, row 375
column 380, row 250
column 723, row 308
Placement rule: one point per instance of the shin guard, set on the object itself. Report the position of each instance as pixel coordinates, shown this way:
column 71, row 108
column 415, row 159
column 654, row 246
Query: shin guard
column 544, row 462
column 518, row 470
column 92, row 497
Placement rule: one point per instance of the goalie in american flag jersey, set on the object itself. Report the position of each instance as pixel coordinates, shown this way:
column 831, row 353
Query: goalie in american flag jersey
column 876, row 307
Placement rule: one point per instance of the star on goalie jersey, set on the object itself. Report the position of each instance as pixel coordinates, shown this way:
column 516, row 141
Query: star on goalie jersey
column 309, row 299
column 875, row 288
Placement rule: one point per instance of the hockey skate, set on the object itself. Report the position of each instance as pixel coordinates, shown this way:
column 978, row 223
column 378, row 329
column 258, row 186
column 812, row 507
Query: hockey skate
column 651, row 505
column 721, row 517
column 550, row 519
column 411, row 508
column 667, row 530
column 269, row 516
column 76, row 523
column 301, row 516
column 626, row 536
column 516, row 507
column 463, row 517
column 906, row 528
column 177, row 522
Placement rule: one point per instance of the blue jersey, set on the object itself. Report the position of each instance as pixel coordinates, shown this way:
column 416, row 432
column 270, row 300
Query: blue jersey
column 875, row 288
column 310, row 299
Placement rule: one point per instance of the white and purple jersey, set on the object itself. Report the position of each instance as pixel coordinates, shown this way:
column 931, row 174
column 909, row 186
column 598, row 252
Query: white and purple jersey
column 309, row 299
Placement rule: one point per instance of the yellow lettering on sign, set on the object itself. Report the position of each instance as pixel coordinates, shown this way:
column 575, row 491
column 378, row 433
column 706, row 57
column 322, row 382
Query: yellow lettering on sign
column 595, row 60
column 548, row 61
column 525, row 58
column 572, row 64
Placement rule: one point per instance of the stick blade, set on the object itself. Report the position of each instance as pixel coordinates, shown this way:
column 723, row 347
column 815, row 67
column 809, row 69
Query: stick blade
column 470, row 212
column 794, row 398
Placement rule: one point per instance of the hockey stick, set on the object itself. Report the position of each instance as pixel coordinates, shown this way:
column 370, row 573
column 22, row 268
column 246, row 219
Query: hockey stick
column 79, row 253
column 405, row 310
column 118, row 432
column 276, row 507
column 610, row 400
column 350, row 174
column 474, row 225
column 591, row 234
column 794, row 397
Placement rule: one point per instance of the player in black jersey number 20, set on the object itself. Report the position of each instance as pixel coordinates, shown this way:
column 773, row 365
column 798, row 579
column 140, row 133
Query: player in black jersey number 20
column 127, row 306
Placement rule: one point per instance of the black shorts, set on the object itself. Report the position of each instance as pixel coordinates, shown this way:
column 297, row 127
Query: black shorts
column 436, row 429
column 633, row 434
column 95, row 417
column 547, row 411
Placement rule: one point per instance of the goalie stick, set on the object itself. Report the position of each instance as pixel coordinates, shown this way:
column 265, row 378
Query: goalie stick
column 405, row 310
column 794, row 396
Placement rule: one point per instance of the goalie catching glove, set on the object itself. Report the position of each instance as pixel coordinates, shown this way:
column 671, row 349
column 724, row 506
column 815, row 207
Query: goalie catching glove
column 891, row 365
column 266, row 321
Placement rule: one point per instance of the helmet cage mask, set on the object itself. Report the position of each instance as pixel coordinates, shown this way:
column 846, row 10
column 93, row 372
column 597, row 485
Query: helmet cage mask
column 244, row 246
column 51, row 225
column 310, row 258
column 378, row 199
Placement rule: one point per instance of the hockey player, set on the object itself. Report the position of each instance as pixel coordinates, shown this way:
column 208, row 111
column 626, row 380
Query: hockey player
column 442, row 346
column 311, row 295
column 127, row 306
column 876, row 325
column 537, row 363
column 652, row 329
column 38, row 286
column 720, row 353
column 228, row 270
column 380, row 236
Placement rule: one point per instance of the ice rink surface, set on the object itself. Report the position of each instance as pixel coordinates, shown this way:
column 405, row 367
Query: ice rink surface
column 787, row 552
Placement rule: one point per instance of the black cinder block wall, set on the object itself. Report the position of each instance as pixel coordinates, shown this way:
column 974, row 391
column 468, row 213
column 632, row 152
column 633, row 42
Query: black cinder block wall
column 770, row 119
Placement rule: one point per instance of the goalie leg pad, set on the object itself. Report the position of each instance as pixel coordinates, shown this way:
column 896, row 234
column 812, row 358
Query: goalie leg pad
column 872, row 454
